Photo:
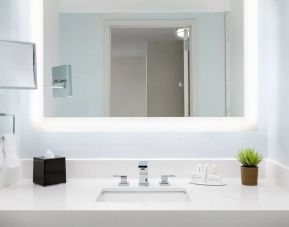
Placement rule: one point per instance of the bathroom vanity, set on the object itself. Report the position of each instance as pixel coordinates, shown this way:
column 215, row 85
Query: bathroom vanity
column 176, row 82
column 83, row 202
column 99, row 200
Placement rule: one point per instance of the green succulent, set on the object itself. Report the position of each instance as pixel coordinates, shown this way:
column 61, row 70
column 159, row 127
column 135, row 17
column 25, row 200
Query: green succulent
column 249, row 157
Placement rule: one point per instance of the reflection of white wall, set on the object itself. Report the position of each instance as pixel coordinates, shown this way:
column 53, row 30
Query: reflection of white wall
column 51, row 58
column 236, row 59
column 210, row 79
column 81, row 46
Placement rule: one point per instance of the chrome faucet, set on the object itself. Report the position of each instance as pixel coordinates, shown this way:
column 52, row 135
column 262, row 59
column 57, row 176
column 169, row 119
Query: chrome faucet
column 143, row 173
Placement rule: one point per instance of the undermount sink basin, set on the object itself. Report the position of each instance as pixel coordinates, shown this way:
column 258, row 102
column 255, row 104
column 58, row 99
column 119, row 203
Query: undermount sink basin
column 143, row 195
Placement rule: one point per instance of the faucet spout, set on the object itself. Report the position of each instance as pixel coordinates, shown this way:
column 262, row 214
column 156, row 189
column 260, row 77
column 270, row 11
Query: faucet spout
column 143, row 173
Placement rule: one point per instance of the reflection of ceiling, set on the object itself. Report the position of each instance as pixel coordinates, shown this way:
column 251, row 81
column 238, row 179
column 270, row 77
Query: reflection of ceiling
column 144, row 34
column 154, row 6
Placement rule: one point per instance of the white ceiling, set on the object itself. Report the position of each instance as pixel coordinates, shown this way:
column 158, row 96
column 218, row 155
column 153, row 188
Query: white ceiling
column 121, row 6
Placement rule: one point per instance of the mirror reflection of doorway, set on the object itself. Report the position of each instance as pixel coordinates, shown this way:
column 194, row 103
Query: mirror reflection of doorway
column 149, row 72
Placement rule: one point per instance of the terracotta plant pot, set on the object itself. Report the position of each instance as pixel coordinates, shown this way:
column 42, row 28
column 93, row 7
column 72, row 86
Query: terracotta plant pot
column 249, row 176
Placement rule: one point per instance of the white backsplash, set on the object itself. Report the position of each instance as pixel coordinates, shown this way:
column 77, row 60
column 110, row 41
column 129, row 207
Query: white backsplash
column 92, row 168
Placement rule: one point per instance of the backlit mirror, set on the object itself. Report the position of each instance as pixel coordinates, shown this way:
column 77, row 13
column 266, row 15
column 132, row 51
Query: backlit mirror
column 101, row 61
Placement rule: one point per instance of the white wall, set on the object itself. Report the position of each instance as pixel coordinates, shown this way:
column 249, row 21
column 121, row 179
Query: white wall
column 141, row 145
column 14, row 25
column 274, row 34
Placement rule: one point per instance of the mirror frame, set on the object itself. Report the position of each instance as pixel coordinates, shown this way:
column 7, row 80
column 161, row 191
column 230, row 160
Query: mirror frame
column 189, row 124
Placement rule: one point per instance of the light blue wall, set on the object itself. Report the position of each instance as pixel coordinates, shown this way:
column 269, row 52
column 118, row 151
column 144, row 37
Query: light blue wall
column 14, row 16
column 82, row 45
column 275, row 27
column 211, row 66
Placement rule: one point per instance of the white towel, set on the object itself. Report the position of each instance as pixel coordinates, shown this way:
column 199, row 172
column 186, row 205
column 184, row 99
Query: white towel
column 10, row 151
column 2, row 157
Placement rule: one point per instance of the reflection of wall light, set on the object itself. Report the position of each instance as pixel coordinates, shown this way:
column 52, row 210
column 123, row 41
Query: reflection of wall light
column 180, row 32
column 221, row 124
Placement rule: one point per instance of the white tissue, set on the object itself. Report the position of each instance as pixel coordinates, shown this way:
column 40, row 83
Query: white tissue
column 49, row 154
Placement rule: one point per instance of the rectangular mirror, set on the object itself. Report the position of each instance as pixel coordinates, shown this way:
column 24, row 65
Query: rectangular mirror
column 167, row 64
column 17, row 65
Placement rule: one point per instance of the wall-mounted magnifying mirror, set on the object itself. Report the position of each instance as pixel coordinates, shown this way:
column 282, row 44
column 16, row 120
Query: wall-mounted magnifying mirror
column 17, row 65
column 171, row 64
column 7, row 123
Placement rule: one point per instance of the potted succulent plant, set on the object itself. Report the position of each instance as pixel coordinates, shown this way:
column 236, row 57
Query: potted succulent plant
column 250, row 159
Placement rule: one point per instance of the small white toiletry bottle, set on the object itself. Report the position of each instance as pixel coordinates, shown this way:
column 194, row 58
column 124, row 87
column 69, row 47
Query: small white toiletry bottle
column 199, row 168
column 206, row 172
column 214, row 169
column 215, row 176
column 197, row 174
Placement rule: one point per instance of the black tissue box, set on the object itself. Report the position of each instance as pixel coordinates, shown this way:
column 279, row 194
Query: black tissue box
column 49, row 171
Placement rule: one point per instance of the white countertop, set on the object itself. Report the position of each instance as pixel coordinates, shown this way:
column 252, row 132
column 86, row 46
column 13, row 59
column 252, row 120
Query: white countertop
column 81, row 194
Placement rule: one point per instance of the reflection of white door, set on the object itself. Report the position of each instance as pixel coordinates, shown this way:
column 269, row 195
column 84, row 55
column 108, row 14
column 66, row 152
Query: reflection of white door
column 184, row 33
column 186, row 73
column 128, row 86
column 165, row 70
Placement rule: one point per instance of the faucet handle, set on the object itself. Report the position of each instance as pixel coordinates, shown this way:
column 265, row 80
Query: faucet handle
column 123, row 180
column 165, row 179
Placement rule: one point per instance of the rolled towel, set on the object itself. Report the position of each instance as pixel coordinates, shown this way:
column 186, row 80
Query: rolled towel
column 2, row 157
column 10, row 151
